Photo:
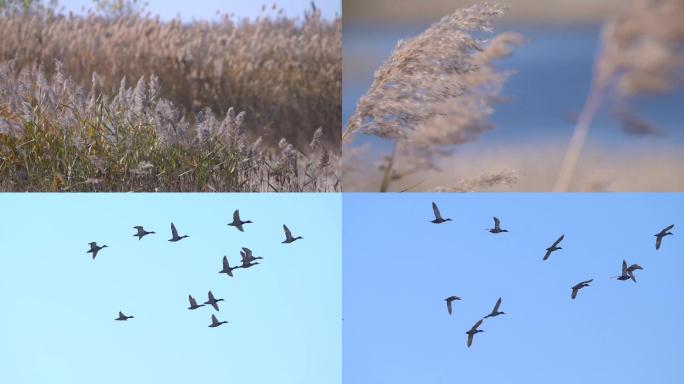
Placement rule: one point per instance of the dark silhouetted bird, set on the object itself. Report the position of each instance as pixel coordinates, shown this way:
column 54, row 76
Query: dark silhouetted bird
column 247, row 258
column 497, row 227
column 94, row 249
column 449, row 300
column 174, row 234
column 193, row 303
column 659, row 236
column 438, row 216
column 579, row 286
column 123, row 317
column 473, row 331
column 215, row 323
column 227, row 268
column 553, row 247
column 237, row 223
column 142, row 232
column 631, row 270
column 288, row 236
column 495, row 311
column 213, row 301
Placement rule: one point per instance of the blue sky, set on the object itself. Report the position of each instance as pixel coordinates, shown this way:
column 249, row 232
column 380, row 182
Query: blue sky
column 57, row 323
column 206, row 9
column 398, row 268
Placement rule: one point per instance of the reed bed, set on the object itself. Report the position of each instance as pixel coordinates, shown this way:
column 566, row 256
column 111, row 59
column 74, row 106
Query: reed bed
column 126, row 102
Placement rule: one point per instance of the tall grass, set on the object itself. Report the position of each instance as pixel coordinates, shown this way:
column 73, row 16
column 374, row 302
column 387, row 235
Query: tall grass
column 435, row 91
column 123, row 101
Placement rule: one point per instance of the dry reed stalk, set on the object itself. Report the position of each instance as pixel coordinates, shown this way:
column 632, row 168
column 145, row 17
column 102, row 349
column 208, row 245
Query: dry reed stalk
column 640, row 53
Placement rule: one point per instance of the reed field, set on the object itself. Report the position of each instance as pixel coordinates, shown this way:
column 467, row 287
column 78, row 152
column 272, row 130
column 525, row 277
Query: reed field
column 118, row 100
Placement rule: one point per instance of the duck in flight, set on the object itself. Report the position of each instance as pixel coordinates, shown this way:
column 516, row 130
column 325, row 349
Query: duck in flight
column 438, row 216
column 495, row 311
column 213, row 301
column 628, row 271
column 553, row 247
column 227, row 268
column 141, row 232
column 288, row 236
column 174, row 234
column 473, row 331
column 193, row 303
column 449, row 300
column 237, row 223
column 215, row 323
column 665, row 232
column 94, row 249
column 248, row 259
column 123, row 317
column 579, row 286
column 497, row 227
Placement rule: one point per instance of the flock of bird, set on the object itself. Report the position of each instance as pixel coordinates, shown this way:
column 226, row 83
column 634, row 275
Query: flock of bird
column 248, row 260
column 626, row 274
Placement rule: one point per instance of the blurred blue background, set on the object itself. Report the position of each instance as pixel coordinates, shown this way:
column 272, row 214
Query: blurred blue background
column 399, row 268
column 59, row 305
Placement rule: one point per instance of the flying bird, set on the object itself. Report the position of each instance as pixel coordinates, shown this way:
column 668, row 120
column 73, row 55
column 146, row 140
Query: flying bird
column 123, row 317
column 438, row 216
column 193, row 303
column 495, row 311
column 473, row 331
column 659, row 236
column 628, row 271
column 213, row 301
column 288, row 236
column 553, row 247
column 237, row 223
column 141, row 232
column 227, row 268
column 497, row 227
column 174, row 234
column 579, row 286
column 449, row 300
column 94, row 249
column 215, row 323
column 248, row 258
column 631, row 270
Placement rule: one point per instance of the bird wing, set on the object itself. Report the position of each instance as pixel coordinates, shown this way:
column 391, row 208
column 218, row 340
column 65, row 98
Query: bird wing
column 193, row 303
column 631, row 275
column 244, row 256
column 496, row 307
column 121, row 314
column 288, row 234
column 226, row 266
column 558, row 241
column 214, row 320
column 470, row 339
column 436, row 211
column 215, row 305
column 624, row 267
column 449, row 305
column 93, row 246
column 634, row 267
column 248, row 252
column 587, row 281
column 574, row 292
column 664, row 231
column 211, row 296
column 474, row 328
column 658, row 240
column 236, row 216
column 497, row 222
column 174, row 232
column 547, row 254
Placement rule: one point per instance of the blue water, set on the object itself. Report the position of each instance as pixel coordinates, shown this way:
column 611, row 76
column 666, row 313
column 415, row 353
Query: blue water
column 552, row 77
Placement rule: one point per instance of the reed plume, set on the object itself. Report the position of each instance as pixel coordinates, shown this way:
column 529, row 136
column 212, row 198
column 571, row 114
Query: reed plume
column 435, row 91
